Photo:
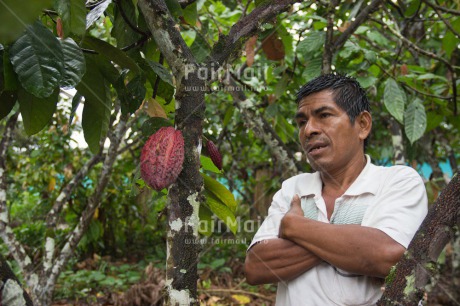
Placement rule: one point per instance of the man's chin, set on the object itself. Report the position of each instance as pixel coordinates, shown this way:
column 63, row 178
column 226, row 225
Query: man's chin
column 313, row 164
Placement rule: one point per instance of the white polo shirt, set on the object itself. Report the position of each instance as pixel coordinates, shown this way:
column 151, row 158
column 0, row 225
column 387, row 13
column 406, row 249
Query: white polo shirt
column 391, row 199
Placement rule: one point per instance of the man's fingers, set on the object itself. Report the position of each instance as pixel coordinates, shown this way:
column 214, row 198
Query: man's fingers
column 295, row 200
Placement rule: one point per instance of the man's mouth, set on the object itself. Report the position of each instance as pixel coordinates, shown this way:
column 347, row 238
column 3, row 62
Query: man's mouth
column 315, row 148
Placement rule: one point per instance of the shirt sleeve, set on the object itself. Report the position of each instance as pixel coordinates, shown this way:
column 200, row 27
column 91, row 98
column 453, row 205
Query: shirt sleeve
column 270, row 227
column 401, row 205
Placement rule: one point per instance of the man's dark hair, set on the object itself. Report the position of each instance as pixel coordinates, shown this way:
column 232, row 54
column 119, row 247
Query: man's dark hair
column 346, row 92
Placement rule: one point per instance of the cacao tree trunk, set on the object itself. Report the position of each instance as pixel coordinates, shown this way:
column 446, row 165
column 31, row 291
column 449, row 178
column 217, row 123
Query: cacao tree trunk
column 406, row 284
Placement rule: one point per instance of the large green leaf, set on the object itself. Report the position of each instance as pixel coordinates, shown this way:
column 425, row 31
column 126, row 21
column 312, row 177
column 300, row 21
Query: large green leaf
column 131, row 95
column 161, row 71
column 111, row 53
column 121, row 31
column 98, row 105
column 415, row 120
column 15, row 15
column 36, row 112
column 190, row 14
column 73, row 15
column 206, row 222
column 207, row 164
column 219, row 191
column 74, row 63
column 222, row 211
column 312, row 43
column 394, row 99
column 200, row 48
column 38, row 60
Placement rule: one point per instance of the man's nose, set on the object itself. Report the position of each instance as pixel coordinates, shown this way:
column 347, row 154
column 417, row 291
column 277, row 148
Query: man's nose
column 311, row 128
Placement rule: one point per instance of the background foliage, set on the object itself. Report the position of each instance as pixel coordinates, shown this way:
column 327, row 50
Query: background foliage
column 70, row 67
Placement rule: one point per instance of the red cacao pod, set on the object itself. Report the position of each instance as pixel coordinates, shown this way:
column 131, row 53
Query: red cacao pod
column 162, row 157
column 214, row 154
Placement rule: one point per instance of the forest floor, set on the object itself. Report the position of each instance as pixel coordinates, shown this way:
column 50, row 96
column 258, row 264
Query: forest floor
column 222, row 287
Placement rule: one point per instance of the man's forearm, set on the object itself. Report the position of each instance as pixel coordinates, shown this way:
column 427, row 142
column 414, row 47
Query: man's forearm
column 354, row 248
column 275, row 260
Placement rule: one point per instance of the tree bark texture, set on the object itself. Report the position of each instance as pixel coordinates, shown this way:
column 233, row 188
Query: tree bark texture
column 406, row 284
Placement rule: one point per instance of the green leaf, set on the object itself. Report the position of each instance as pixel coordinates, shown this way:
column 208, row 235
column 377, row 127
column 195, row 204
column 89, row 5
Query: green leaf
column 152, row 125
column 16, row 15
column 228, row 115
column 219, row 191
column 412, row 9
column 175, row 8
column 7, row 101
column 378, row 38
column 222, row 211
column 10, row 78
column 98, row 105
column 121, row 31
column 280, row 87
column 394, row 99
column 433, row 121
column 73, row 15
column 312, row 43
column 38, row 60
column 112, row 53
column 450, row 43
column 200, row 48
column 207, row 164
column 74, row 63
column 415, row 121
column 132, row 94
column 206, row 223
column 77, row 98
column 367, row 81
column 36, row 112
column 313, row 68
column 191, row 14
column 161, row 71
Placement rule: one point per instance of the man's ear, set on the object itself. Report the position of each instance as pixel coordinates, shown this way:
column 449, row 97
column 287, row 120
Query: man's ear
column 364, row 121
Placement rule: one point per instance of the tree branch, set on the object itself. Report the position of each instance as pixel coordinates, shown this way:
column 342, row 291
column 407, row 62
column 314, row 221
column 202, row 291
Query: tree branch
column 446, row 10
column 6, row 233
column 329, row 43
column 415, row 47
column 362, row 16
column 246, row 27
column 264, row 130
column 167, row 36
column 127, row 20
column 66, row 192
column 93, row 203
column 446, row 22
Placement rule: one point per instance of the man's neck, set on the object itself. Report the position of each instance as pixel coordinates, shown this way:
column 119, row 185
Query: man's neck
column 335, row 183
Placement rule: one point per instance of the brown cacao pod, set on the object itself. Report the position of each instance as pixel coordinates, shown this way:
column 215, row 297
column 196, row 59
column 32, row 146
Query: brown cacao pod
column 214, row 154
column 162, row 157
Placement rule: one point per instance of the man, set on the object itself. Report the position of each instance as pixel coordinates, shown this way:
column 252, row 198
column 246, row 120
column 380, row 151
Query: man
column 331, row 237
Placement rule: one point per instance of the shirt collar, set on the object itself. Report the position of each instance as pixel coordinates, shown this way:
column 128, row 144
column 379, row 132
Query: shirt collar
column 364, row 183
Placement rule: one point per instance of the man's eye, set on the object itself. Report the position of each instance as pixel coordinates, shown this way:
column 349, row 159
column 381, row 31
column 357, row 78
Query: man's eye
column 325, row 115
column 301, row 122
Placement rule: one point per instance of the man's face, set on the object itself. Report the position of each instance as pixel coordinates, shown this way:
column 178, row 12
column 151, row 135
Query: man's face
column 330, row 141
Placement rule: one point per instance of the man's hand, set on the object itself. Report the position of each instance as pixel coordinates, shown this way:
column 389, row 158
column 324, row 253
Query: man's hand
column 294, row 211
